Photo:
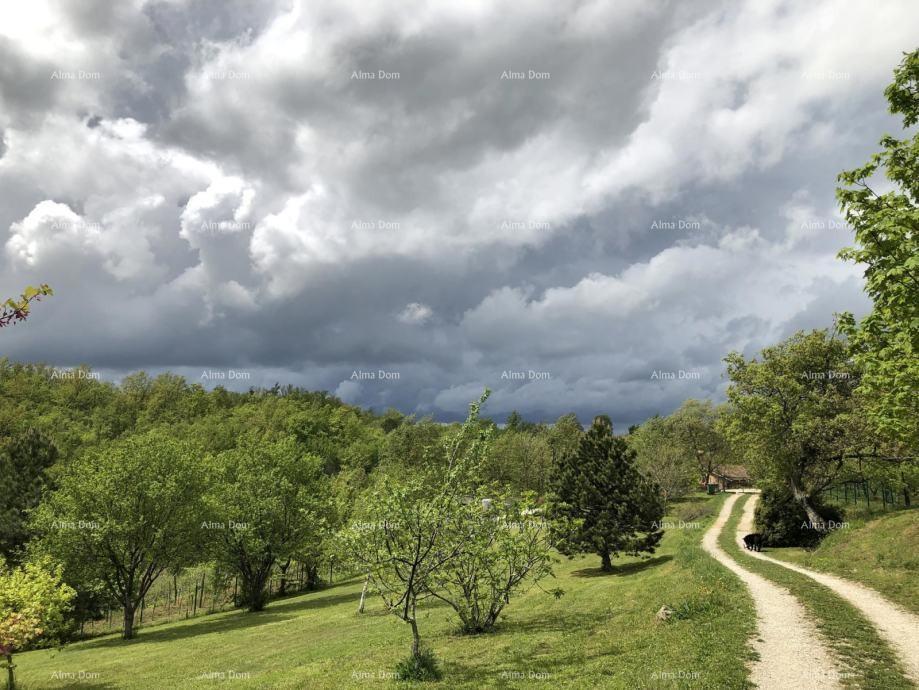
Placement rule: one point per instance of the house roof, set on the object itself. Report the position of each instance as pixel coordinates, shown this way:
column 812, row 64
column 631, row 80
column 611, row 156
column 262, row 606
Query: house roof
column 731, row 472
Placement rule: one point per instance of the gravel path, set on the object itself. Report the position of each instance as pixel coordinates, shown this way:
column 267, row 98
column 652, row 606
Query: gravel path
column 899, row 627
column 791, row 653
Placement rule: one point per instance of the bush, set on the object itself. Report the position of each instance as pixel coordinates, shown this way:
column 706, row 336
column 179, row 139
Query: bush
column 783, row 522
column 422, row 666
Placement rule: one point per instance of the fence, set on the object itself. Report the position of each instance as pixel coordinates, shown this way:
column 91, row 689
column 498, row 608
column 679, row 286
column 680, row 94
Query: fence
column 883, row 494
column 199, row 591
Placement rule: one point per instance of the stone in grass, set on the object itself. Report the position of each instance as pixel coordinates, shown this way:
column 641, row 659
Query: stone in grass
column 664, row 614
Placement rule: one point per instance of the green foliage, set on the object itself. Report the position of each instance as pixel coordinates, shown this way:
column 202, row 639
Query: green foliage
column 694, row 431
column 792, row 413
column 15, row 310
column 24, row 463
column 33, row 604
column 269, row 501
column 126, row 514
column 412, row 446
column 661, row 457
column 422, row 666
column 564, row 436
column 521, row 459
column 403, row 538
column 601, row 503
column 502, row 547
column 886, row 342
column 784, row 522
column 33, row 601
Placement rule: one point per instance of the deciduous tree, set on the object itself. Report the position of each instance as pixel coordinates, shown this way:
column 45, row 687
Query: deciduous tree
column 885, row 343
column 125, row 514
column 792, row 413
column 270, row 502
column 33, row 604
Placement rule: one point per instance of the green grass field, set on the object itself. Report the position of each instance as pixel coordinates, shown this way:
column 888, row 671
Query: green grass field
column 880, row 553
column 601, row 633
column 869, row 662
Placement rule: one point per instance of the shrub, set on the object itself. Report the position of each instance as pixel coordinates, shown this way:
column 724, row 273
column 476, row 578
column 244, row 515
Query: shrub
column 421, row 666
column 783, row 522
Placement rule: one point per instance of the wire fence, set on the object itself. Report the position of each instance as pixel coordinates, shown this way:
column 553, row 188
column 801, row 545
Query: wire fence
column 865, row 492
column 204, row 590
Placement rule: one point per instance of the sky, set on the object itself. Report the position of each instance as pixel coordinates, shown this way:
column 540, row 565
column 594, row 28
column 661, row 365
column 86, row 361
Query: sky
column 583, row 206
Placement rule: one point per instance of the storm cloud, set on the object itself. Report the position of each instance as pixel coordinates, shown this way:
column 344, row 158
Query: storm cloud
column 402, row 203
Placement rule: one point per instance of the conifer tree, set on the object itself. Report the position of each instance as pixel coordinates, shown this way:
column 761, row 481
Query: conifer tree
column 600, row 502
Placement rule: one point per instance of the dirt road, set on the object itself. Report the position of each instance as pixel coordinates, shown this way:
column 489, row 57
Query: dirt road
column 899, row 627
column 792, row 655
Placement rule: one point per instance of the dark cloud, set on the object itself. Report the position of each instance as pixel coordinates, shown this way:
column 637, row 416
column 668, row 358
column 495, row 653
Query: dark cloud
column 225, row 196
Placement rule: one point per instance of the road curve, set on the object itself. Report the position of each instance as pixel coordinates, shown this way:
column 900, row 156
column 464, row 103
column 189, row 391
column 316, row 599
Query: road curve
column 792, row 655
column 898, row 627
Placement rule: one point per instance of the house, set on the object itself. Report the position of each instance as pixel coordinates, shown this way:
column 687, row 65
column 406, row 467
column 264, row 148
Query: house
column 726, row 477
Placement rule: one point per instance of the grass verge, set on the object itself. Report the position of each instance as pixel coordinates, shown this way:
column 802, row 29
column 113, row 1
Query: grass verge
column 870, row 662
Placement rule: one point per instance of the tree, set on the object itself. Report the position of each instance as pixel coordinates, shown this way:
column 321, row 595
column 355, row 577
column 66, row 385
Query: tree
column 270, row 502
column 885, row 344
column 793, row 414
column 600, row 502
column 503, row 546
column 564, row 436
column 33, row 604
column 661, row 457
column 516, row 422
column 402, row 539
column 16, row 310
column 126, row 514
column 24, row 463
column 522, row 459
column 695, row 433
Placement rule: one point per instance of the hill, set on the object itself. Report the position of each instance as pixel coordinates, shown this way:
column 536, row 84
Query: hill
column 602, row 633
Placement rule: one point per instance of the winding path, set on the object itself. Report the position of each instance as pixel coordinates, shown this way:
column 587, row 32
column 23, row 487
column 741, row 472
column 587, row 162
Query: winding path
column 899, row 627
column 791, row 652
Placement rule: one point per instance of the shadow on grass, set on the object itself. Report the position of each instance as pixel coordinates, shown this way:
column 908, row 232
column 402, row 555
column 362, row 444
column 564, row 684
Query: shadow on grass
column 276, row 612
column 624, row 569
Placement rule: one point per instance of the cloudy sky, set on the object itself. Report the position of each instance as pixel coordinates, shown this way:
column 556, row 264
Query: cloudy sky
column 220, row 186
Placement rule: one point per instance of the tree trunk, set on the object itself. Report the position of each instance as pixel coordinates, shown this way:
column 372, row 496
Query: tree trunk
column 816, row 520
column 254, row 592
column 282, row 585
column 127, row 632
column 312, row 576
column 416, row 638
column 607, row 565
column 10, row 678
column 360, row 609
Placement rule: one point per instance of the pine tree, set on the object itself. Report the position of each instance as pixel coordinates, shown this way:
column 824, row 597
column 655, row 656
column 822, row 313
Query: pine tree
column 24, row 462
column 601, row 503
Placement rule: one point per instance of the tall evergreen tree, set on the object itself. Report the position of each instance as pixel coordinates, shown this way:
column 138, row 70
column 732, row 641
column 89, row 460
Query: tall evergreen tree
column 600, row 502
column 24, row 463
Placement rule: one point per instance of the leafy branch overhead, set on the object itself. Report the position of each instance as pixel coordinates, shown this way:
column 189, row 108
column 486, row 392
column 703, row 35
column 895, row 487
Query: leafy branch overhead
column 886, row 342
column 16, row 310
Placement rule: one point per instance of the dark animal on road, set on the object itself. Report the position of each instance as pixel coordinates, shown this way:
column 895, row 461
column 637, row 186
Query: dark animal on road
column 753, row 542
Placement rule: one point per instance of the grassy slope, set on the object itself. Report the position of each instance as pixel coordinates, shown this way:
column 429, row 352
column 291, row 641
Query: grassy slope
column 870, row 662
column 602, row 633
column 880, row 553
